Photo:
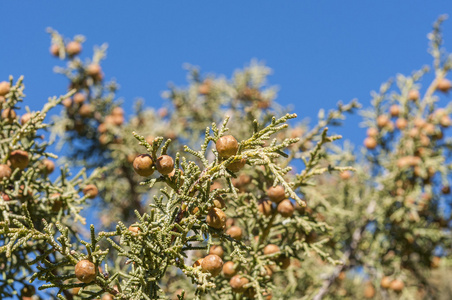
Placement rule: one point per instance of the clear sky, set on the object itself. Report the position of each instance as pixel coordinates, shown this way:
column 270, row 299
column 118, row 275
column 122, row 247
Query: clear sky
column 320, row 51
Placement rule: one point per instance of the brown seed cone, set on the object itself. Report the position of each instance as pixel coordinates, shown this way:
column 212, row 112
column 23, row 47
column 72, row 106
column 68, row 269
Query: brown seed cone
column 345, row 175
column 25, row 118
column 130, row 157
column 436, row 261
column 263, row 104
column 413, row 95
column 204, row 88
column 90, row 191
column 439, row 112
column 104, row 139
column 75, row 290
column 57, row 205
column 73, row 48
column 283, row 261
column 229, row 269
column 109, row 120
column 250, row 293
column 54, row 50
column 19, row 159
column 443, row 85
column 216, row 218
column 243, row 180
column 85, row 271
column 397, row 285
column 370, row 143
column 271, row 249
column 5, row 197
column 85, row 111
column 79, row 98
column 401, row 123
column 382, row 121
column 177, row 293
column 162, row 112
column 414, row 132
column 134, row 229
column 24, row 193
column 267, row 271
column 265, row 207
column 94, row 70
column 267, row 295
column 429, row 129
column 424, row 140
column 107, row 297
column 118, row 120
column 4, row 88
column 230, row 222
column 9, row 115
column 215, row 185
column 394, row 110
column 117, row 111
column 102, row 128
column 172, row 176
column 285, row 208
column 198, row 262
column 217, row 250
column 297, row 132
column 57, row 202
column 238, row 283
column 213, row 264
column 67, row 102
column 390, row 127
column 5, row 172
column 227, row 146
column 445, row 121
column 219, row 202
column 419, row 122
column 165, row 164
column 235, row 232
column 236, row 165
column 311, row 237
column 276, row 194
column 250, row 94
column 142, row 164
column 149, row 139
column 369, row 291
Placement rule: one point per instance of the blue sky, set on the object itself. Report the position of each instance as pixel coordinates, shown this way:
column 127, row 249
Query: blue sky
column 320, row 51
